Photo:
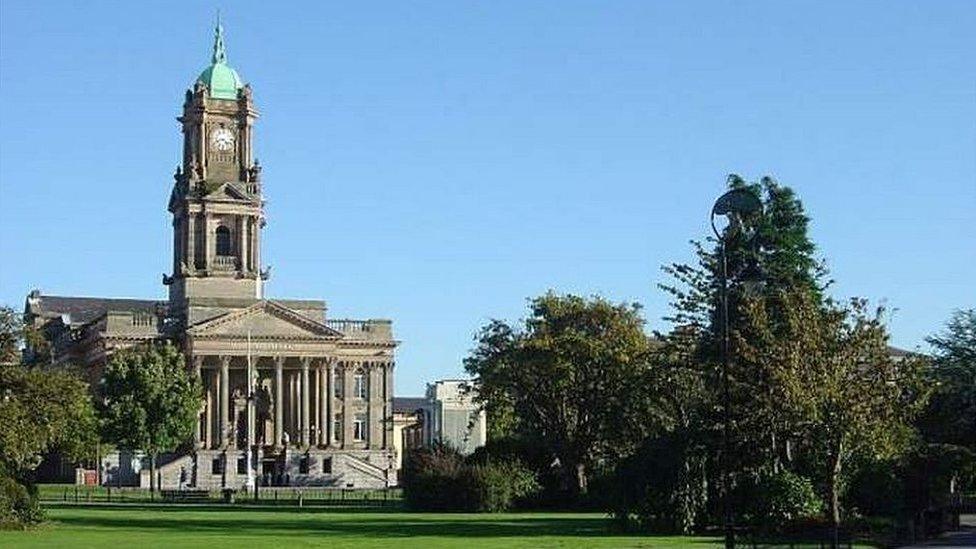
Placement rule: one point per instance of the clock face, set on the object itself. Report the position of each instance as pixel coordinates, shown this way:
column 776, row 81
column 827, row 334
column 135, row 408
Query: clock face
column 222, row 139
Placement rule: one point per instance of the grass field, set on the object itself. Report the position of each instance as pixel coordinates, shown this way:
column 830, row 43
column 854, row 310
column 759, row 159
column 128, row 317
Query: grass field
column 215, row 527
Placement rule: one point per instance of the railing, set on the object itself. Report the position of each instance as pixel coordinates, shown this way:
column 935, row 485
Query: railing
column 288, row 496
column 346, row 325
column 143, row 320
column 225, row 262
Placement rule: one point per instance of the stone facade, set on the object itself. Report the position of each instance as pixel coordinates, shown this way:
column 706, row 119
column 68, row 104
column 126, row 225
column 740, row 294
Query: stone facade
column 290, row 396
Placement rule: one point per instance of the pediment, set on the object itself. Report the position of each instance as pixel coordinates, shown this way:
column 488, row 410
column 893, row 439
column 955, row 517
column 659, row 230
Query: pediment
column 228, row 191
column 264, row 320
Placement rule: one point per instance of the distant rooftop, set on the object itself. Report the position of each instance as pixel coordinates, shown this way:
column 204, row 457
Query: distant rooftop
column 84, row 309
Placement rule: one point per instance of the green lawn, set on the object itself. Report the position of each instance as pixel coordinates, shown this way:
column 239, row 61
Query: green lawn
column 144, row 527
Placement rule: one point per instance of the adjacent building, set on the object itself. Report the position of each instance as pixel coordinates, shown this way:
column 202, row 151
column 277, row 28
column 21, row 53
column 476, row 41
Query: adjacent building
column 448, row 414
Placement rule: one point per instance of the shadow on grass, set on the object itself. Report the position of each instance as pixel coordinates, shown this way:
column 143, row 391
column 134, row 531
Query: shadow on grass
column 369, row 523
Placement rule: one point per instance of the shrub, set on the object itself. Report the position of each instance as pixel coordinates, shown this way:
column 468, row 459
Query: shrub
column 18, row 507
column 660, row 488
column 495, row 487
column 438, row 479
column 430, row 479
column 782, row 498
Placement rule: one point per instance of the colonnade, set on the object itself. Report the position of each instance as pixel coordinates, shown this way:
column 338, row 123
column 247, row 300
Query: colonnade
column 317, row 401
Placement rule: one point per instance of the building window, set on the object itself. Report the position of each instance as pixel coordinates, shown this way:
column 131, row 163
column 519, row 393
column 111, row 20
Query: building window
column 337, row 428
column 223, row 241
column 359, row 427
column 359, row 385
column 303, row 465
column 337, row 384
column 327, row 466
column 216, row 466
column 242, row 466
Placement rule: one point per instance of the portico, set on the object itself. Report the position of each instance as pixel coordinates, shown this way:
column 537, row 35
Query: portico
column 314, row 389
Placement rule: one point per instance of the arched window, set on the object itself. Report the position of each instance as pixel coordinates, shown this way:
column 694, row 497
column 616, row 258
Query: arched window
column 223, row 241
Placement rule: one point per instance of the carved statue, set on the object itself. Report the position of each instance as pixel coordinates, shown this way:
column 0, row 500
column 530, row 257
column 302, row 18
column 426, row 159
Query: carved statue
column 264, row 410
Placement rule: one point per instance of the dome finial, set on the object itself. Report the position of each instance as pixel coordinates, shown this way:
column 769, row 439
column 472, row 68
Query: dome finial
column 219, row 54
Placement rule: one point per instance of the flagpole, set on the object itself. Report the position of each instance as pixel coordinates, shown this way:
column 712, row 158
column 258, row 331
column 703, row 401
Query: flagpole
column 250, row 416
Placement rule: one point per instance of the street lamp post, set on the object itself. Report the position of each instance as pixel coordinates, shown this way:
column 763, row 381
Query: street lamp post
column 734, row 205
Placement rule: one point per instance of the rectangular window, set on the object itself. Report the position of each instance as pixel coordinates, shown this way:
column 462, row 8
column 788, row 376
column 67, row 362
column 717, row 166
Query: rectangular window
column 360, row 385
column 337, row 428
column 327, row 466
column 359, row 427
column 216, row 466
column 303, row 465
column 241, row 466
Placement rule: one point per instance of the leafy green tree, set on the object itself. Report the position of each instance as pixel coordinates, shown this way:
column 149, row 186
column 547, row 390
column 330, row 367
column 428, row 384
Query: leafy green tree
column 573, row 376
column 950, row 417
column 11, row 332
column 151, row 401
column 779, row 255
column 41, row 411
column 836, row 378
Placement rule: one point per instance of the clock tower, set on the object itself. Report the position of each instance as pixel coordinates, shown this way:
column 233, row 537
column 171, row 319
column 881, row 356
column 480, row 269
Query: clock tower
column 217, row 202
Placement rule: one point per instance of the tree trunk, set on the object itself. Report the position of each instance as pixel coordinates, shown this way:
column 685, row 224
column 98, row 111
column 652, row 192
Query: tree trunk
column 835, row 468
column 581, row 482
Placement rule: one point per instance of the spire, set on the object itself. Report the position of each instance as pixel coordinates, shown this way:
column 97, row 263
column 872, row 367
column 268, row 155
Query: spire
column 219, row 55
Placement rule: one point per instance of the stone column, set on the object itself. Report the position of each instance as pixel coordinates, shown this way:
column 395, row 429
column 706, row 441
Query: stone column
column 374, row 398
column 323, row 404
column 279, row 404
column 224, row 400
column 330, row 402
column 303, row 420
column 209, row 410
column 207, row 261
column 388, row 405
column 347, row 397
column 243, row 253
column 191, row 241
column 201, row 415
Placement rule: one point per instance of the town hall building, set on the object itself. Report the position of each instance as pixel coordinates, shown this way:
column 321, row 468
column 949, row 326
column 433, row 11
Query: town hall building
column 290, row 395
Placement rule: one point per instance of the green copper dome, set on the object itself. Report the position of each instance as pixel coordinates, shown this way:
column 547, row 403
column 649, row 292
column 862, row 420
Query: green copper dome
column 221, row 80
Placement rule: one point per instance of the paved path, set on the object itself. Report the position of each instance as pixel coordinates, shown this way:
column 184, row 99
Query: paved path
column 960, row 538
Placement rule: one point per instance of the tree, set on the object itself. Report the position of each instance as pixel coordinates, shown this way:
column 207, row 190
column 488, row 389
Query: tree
column 836, row 379
column 42, row 411
column 572, row 379
column 150, row 401
column 11, row 333
column 781, row 256
column 950, row 417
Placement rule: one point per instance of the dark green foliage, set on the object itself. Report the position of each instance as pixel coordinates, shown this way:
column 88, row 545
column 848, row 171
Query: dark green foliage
column 950, row 417
column 876, row 488
column 430, row 479
column 571, row 380
column 777, row 500
column 495, row 487
column 18, row 506
column 41, row 411
column 661, row 488
column 150, row 402
column 904, row 486
column 439, row 479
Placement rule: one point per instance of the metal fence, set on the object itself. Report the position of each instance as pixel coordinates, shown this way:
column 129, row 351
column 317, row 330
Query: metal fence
column 293, row 496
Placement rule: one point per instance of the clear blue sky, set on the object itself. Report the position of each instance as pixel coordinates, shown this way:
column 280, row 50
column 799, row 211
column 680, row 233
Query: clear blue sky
column 438, row 163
